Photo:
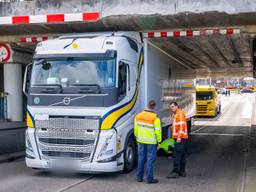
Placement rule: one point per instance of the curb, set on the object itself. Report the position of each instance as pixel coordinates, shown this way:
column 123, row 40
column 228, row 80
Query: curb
column 11, row 157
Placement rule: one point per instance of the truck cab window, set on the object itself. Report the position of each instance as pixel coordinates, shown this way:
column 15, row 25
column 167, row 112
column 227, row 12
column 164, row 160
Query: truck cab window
column 122, row 81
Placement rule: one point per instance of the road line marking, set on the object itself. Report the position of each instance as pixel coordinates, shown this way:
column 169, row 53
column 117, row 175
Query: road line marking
column 244, row 168
column 219, row 134
column 75, row 184
column 198, row 129
column 244, row 172
column 247, row 110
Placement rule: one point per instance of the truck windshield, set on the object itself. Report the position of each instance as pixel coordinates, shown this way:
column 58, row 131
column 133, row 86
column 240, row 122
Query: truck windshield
column 69, row 72
column 204, row 95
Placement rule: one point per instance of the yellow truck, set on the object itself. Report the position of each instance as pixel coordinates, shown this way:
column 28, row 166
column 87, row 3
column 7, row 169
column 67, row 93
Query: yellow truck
column 207, row 101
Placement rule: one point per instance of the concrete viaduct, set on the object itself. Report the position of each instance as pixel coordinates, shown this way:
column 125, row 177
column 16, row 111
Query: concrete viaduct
column 213, row 54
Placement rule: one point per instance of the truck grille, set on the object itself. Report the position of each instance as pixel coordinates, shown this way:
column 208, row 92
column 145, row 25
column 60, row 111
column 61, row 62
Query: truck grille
column 57, row 141
column 67, row 138
column 201, row 109
column 68, row 123
column 65, row 133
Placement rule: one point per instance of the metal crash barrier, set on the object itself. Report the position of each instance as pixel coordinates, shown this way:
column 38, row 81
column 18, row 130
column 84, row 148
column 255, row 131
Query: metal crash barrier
column 3, row 106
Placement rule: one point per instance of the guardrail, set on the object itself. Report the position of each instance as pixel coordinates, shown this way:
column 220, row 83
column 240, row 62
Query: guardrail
column 3, row 106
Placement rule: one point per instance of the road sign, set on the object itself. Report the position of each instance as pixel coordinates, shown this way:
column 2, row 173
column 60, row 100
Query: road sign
column 5, row 53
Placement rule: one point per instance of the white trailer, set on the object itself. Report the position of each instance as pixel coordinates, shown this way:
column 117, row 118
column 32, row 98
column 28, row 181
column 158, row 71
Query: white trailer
column 83, row 92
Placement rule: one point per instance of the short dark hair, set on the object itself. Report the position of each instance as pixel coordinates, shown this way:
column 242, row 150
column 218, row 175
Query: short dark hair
column 152, row 104
column 174, row 103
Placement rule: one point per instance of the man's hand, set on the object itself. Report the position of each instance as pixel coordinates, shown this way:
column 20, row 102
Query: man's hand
column 158, row 146
column 178, row 140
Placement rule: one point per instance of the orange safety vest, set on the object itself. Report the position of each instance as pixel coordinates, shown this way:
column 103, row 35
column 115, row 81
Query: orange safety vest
column 179, row 125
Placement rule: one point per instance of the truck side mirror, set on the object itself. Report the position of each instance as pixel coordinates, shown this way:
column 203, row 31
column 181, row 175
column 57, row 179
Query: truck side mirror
column 27, row 77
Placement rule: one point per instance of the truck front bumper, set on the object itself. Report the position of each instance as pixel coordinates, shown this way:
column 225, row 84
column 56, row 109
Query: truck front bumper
column 85, row 167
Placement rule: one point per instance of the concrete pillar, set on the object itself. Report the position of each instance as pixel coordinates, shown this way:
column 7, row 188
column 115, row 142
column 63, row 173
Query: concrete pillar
column 145, row 49
column 13, row 86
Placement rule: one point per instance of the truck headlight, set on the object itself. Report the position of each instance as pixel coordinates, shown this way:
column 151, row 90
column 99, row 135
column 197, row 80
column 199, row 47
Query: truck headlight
column 118, row 143
column 104, row 150
column 29, row 149
column 107, row 152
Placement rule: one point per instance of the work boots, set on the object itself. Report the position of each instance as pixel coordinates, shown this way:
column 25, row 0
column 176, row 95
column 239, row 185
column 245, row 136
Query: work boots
column 173, row 175
column 182, row 174
column 153, row 181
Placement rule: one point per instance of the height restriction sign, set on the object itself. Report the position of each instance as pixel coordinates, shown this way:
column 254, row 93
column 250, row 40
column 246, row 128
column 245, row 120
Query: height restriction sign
column 5, row 53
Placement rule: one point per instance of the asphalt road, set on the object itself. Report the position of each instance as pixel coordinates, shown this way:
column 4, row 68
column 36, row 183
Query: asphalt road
column 215, row 163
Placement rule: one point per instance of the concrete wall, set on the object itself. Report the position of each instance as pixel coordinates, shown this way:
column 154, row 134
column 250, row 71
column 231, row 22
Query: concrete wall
column 12, row 140
column 121, row 7
column 12, row 137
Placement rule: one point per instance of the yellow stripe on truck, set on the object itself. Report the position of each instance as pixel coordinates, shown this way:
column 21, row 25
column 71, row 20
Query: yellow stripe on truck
column 109, row 122
column 111, row 118
column 29, row 120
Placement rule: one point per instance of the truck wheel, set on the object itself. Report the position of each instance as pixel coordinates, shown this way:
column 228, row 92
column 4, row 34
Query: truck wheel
column 130, row 155
column 189, row 125
column 219, row 111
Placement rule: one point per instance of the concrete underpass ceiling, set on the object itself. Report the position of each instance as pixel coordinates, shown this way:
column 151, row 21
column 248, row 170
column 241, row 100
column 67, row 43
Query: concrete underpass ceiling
column 205, row 56
column 213, row 55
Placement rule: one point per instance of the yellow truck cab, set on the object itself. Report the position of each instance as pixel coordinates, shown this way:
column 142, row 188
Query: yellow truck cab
column 207, row 101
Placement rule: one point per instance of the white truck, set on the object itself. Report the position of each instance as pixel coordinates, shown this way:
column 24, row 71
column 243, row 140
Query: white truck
column 83, row 91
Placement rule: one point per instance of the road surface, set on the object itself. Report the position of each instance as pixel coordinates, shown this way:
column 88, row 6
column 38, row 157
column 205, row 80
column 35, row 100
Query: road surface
column 215, row 164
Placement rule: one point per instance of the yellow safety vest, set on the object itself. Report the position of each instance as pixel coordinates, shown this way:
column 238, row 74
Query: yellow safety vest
column 147, row 128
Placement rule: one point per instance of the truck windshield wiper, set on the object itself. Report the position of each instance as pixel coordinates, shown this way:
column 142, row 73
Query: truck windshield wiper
column 87, row 88
column 49, row 87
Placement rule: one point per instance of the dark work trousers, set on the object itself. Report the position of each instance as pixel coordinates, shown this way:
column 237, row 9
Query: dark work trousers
column 179, row 157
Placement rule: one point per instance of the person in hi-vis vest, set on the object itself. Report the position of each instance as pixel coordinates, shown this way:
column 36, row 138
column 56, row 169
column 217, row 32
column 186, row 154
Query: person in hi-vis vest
column 148, row 133
column 180, row 135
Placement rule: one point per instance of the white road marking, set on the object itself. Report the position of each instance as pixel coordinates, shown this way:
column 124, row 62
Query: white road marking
column 220, row 134
column 247, row 110
column 75, row 184
column 198, row 129
column 224, row 103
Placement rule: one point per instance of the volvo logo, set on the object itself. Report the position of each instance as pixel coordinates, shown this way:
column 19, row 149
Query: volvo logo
column 66, row 100
column 36, row 100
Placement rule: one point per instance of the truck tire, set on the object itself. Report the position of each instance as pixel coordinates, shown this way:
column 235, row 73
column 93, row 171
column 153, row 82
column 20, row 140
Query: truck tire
column 130, row 156
column 219, row 110
column 189, row 125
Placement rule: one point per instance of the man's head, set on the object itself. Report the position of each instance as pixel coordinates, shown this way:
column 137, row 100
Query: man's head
column 174, row 106
column 151, row 104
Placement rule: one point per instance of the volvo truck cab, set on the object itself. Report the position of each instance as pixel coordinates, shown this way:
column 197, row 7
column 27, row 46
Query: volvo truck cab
column 207, row 101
